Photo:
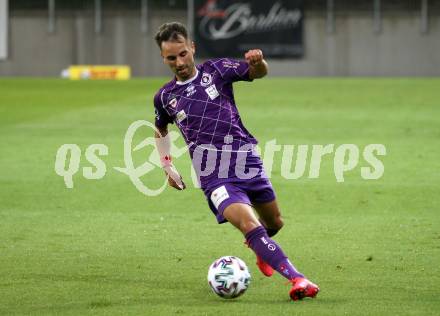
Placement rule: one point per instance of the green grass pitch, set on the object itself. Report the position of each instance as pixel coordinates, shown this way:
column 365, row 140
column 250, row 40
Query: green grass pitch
column 103, row 248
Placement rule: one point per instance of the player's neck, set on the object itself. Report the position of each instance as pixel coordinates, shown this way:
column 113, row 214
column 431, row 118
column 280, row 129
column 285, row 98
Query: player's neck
column 191, row 77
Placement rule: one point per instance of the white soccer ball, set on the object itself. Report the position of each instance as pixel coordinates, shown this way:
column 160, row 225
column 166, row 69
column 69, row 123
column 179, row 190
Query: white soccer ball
column 229, row 277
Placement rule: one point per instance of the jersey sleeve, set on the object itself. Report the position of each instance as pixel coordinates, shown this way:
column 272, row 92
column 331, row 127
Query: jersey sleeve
column 232, row 70
column 162, row 118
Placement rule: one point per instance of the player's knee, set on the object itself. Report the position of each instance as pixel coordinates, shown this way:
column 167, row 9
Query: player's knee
column 275, row 227
column 279, row 223
column 276, row 223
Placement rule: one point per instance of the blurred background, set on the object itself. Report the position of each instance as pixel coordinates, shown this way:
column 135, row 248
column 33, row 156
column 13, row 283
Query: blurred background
column 300, row 38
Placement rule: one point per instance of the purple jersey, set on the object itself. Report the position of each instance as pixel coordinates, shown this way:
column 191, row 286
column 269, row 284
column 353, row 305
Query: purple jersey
column 204, row 110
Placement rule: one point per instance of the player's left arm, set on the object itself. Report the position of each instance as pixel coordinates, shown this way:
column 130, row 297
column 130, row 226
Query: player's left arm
column 257, row 65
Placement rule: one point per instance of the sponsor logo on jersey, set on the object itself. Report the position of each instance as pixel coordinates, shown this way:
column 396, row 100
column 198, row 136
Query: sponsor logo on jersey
column 212, row 92
column 180, row 116
column 206, row 79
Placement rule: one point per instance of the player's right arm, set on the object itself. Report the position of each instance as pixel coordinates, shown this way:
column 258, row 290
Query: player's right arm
column 163, row 145
column 253, row 67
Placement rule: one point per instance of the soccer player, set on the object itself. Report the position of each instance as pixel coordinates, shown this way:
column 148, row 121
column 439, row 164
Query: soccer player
column 200, row 101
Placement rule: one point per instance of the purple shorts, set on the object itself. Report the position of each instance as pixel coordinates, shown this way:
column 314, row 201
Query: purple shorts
column 256, row 190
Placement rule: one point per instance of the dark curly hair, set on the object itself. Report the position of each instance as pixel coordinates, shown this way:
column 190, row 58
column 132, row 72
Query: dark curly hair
column 171, row 31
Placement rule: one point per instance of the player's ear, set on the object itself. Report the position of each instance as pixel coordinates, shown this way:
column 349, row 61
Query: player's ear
column 163, row 56
column 193, row 47
column 161, row 53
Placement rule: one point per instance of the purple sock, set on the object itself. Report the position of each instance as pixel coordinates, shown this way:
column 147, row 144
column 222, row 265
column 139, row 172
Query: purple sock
column 271, row 253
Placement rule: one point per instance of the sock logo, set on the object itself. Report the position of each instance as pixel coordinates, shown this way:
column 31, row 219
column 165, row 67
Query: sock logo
column 284, row 270
column 264, row 240
column 271, row 247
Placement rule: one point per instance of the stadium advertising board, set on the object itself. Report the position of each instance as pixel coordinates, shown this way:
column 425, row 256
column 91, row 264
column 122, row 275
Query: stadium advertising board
column 98, row 72
column 3, row 29
column 225, row 28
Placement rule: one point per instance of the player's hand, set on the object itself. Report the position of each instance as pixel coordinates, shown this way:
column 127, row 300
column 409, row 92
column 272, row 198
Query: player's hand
column 254, row 56
column 174, row 178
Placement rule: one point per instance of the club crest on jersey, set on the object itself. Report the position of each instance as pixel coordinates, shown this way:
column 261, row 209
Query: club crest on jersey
column 212, row 92
column 173, row 103
column 206, row 79
column 180, row 116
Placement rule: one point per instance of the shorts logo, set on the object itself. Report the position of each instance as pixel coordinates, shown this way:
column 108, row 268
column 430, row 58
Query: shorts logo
column 173, row 103
column 180, row 116
column 219, row 195
column 206, row 79
column 212, row 92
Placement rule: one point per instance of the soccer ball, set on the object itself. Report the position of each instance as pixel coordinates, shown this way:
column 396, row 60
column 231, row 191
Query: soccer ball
column 229, row 277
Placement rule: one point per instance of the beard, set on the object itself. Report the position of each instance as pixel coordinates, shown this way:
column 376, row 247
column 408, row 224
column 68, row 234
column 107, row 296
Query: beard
column 185, row 72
